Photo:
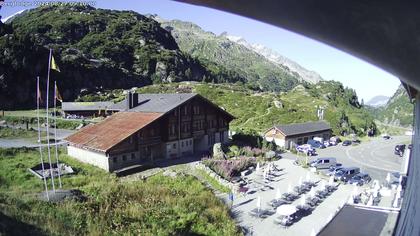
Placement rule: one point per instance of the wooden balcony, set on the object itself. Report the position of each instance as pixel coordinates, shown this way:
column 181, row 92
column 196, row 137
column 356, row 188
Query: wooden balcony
column 186, row 135
column 198, row 133
column 150, row 140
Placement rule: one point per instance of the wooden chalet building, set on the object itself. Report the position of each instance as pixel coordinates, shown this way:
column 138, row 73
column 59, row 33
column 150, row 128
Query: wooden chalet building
column 288, row 136
column 153, row 127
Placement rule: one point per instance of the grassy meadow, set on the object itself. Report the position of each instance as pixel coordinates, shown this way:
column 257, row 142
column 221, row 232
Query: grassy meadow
column 158, row 206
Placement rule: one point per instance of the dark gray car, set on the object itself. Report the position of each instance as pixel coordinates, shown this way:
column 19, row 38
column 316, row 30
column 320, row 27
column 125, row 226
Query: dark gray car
column 346, row 174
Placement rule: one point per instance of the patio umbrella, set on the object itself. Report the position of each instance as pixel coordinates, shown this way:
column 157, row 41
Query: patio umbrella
column 278, row 194
column 286, row 210
column 370, row 201
column 258, row 203
column 399, row 188
column 313, row 232
column 312, row 192
column 376, row 185
column 323, row 185
column 355, row 191
column 351, row 200
column 303, row 200
column 395, row 203
column 331, row 180
column 388, row 178
column 375, row 193
column 289, row 188
column 398, row 195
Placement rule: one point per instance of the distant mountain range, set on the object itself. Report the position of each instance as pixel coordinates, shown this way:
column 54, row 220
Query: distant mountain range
column 277, row 58
column 378, row 101
column 258, row 65
column 398, row 111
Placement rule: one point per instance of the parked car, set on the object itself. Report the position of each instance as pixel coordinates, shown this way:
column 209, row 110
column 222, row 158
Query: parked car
column 346, row 174
column 316, row 144
column 333, row 169
column 399, row 150
column 334, row 140
column 306, row 148
column 323, row 163
column 346, row 143
column 410, row 146
column 386, row 136
column 356, row 141
column 360, row 179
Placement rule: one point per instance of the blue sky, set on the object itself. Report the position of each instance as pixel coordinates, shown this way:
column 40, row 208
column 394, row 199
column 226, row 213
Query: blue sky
column 329, row 62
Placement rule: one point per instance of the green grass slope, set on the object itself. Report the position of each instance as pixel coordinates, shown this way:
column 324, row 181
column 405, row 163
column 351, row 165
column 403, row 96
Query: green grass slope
column 158, row 206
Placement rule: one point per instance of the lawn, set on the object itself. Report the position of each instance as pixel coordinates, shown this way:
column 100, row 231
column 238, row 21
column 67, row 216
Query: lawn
column 158, row 206
column 6, row 132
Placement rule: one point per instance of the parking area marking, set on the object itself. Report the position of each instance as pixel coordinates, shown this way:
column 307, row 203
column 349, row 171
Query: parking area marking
column 366, row 164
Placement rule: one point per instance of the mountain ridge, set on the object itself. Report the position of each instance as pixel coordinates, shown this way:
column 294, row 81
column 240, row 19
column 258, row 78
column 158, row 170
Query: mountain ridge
column 275, row 57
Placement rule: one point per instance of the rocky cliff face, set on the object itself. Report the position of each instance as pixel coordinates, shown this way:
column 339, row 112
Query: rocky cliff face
column 218, row 52
column 94, row 49
column 398, row 111
column 278, row 59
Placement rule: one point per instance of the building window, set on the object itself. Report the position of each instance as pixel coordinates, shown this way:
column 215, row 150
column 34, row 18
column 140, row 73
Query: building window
column 133, row 156
column 114, row 159
column 190, row 142
column 172, row 129
column 196, row 110
column 131, row 139
column 174, row 146
column 124, row 157
column 182, row 143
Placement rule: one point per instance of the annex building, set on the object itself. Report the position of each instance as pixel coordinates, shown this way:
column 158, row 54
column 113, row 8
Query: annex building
column 151, row 127
column 291, row 135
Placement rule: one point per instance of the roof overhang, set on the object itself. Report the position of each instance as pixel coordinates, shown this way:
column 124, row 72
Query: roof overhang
column 384, row 33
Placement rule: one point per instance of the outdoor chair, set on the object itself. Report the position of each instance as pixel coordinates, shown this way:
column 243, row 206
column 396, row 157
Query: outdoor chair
column 261, row 213
column 284, row 221
column 277, row 202
column 322, row 193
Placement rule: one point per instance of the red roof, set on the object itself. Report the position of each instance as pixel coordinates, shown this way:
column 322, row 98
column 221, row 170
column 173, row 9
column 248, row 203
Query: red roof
column 114, row 129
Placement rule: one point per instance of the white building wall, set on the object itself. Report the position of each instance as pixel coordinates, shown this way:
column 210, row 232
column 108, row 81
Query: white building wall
column 186, row 146
column 179, row 148
column 90, row 157
column 280, row 142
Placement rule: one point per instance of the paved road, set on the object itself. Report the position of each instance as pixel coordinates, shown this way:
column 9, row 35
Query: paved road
column 375, row 157
column 32, row 142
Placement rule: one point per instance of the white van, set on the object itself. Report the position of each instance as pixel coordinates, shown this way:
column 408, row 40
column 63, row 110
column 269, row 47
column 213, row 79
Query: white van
column 324, row 163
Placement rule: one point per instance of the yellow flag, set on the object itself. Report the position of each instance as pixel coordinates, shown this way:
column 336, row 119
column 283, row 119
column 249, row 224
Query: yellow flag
column 54, row 65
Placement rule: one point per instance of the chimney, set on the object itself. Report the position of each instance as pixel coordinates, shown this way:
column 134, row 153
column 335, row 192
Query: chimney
column 135, row 101
column 129, row 100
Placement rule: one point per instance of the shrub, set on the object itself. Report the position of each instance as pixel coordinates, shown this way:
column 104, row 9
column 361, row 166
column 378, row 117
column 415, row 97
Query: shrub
column 229, row 168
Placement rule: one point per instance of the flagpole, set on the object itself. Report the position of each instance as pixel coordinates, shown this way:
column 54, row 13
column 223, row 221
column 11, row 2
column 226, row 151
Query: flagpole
column 38, row 97
column 48, row 124
column 55, row 133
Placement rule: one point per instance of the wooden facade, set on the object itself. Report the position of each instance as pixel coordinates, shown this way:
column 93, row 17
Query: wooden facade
column 190, row 128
